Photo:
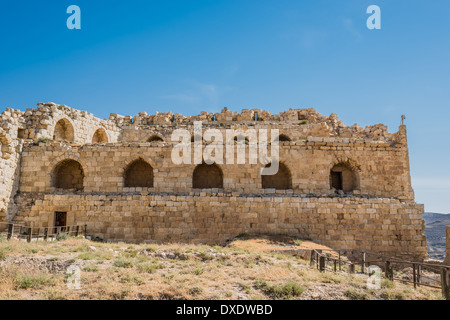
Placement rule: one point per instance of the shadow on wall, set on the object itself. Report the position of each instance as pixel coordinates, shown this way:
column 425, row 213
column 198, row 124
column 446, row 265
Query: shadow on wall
column 100, row 136
column 64, row 131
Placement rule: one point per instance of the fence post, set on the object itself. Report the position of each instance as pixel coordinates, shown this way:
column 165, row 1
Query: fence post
column 85, row 229
column 318, row 251
column 335, row 265
column 445, row 284
column 363, row 263
column 77, row 230
column 389, row 272
column 10, row 231
column 339, row 260
column 45, row 234
column 351, row 268
column 321, row 263
column 414, row 276
column 419, row 274
column 29, row 234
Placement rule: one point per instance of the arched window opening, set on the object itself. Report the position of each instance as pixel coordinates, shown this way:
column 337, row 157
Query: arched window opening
column 284, row 138
column 207, row 177
column 68, row 174
column 63, row 131
column 155, row 138
column 100, row 136
column 138, row 174
column 280, row 181
column 343, row 178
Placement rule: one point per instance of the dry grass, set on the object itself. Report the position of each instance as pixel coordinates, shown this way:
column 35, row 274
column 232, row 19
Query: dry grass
column 246, row 269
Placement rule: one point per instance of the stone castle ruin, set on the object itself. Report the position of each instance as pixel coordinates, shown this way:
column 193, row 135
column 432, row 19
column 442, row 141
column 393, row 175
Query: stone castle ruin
column 345, row 187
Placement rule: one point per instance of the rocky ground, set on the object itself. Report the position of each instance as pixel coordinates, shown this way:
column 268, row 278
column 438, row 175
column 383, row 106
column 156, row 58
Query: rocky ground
column 247, row 268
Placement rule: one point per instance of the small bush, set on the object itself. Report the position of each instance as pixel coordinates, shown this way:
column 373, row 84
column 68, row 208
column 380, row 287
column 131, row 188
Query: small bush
column 45, row 140
column 150, row 267
column 355, row 295
column 62, row 236
column 123, row 263
column 205, row 257
column 195, row 291
column 34, row 281
column 386, row 283
column 198, row 272
column 91, row 268
column 2, row 255
column 286, row 291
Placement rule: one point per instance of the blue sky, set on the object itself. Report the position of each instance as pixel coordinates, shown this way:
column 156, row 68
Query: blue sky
column 188, row 56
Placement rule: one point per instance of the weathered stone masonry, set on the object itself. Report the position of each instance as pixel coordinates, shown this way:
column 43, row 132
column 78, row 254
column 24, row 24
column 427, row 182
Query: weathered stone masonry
column 346, row 187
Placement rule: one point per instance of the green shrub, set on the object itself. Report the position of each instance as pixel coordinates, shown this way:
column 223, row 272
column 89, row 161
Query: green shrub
column 355, row 295
column 286, row 291
column 123, row 263
column 62, row 236
column 91, row 268
column 150, row 267
column 198, row 272
column 45, row 140
column 195, row 291
column 35, row 281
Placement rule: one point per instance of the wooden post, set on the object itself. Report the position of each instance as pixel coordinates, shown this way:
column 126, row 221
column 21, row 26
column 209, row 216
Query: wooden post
column 45, row 234
column 419, row 274
column 29, row 234
column 311, row 258
column 414, row 276
column 10, row 231
column 318, row 258
column 339, row 260
column 77, row 230
column 363, row 263
column 58, row 231
column 85, row 229
column 335, row 265
column 321, row 263
column 351, row 268
column 388, row 272
column 445, row 283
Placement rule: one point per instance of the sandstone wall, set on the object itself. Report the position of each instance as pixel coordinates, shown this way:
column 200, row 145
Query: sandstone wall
column 381, row 170
column 10, row 154
column 379, row 214
column 379, row 225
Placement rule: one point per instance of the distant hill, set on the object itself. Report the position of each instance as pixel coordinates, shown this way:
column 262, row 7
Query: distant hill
column 435, row 231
